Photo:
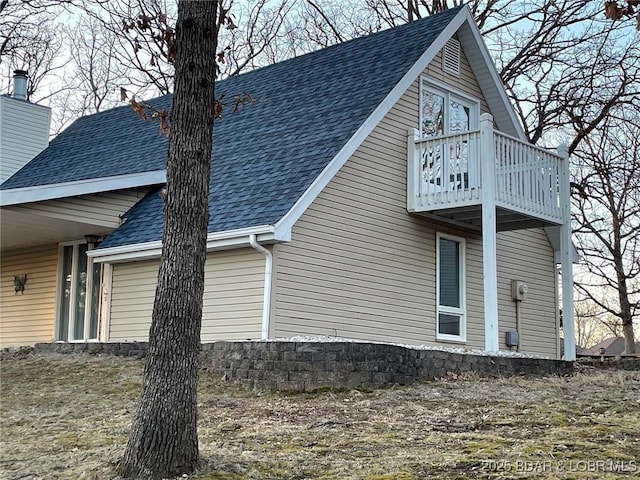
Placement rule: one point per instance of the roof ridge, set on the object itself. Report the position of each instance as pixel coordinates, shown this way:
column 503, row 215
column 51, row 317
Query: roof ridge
column 330, row 48
column 266, row 156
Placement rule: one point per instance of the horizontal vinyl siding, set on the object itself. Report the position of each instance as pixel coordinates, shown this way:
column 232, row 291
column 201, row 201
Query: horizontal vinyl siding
column 358, row 265
column 527, row 255
column 465, row 83
column 133, row 287
column 101, row 209
column 29, row 317
column 234, row 284
column 232, row 306
column 475, row 291
column 24, row 132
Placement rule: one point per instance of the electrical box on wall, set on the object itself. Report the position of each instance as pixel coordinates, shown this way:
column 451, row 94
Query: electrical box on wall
column 519, row 290
column 511, row 338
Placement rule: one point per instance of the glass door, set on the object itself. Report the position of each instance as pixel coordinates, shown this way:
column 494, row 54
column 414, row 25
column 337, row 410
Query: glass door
column 79, row 295
column 447, row 164
column 432, row 124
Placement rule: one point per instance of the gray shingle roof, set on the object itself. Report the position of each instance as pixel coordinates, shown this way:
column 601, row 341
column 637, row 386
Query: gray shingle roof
column 264, row 156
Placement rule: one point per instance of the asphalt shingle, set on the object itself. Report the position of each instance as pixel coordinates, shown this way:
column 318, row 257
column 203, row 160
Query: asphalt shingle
column 266, row 155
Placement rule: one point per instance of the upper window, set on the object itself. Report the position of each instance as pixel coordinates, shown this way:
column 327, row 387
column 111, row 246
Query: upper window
column 443, row 112
column 451, row 311
column 449, row 163
column 78, row 294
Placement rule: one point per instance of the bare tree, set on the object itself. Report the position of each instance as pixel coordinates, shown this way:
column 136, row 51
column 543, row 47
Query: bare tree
column 592, row 323
column 93, row 56
column 30, row 36
column 163, row 441
column 28, row 42
column 144, row 36
column 607, row 218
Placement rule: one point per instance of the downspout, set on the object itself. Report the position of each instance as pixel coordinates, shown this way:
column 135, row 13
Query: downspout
column 268, row 273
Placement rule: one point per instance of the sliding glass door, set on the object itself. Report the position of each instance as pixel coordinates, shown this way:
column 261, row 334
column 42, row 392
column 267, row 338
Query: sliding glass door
column 79, row 295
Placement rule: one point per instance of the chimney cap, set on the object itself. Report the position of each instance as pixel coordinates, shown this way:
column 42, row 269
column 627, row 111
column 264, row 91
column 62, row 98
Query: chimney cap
column 20, row 84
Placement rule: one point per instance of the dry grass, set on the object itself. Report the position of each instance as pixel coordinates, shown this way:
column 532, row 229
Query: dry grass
column 67, row 417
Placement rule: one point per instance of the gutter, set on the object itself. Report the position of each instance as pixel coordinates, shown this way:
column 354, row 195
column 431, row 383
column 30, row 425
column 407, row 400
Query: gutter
column 215, row 241
column 268, row 275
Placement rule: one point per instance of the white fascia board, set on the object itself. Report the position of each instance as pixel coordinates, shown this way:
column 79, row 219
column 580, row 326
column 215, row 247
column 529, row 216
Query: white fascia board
column 16, row 196
column 490, row 65
column 215, row 241
column 292, row 216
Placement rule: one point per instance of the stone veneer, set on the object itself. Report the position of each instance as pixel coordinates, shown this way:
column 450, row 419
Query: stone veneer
column 307, row 366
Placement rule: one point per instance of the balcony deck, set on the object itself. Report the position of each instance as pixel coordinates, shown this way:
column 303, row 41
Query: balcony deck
column 448, row 177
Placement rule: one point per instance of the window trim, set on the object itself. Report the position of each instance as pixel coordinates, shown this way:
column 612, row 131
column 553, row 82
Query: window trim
column 462, row 310
column 89, row 285
column 430, row 85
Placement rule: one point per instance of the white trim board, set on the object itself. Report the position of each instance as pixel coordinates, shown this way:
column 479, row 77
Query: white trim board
column 215, row 241
column 292, row 216
column 464, row 17
column 16, row 196
column 489, row 67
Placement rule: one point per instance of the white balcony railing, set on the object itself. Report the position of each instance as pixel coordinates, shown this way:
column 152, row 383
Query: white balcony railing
column 447, row 172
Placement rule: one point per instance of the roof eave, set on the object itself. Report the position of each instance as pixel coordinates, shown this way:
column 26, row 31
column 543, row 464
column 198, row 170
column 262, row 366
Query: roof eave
column 17, row 196
column 305, row 200
column 489, row 79
column 265, row 234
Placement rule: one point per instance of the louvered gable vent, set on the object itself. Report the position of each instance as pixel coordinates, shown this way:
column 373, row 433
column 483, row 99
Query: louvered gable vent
column 451, row 57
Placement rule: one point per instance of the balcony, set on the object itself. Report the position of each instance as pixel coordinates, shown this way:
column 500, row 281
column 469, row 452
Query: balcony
column 451, row 177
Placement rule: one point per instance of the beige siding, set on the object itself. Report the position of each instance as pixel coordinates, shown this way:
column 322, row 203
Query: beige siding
column 100, row 209
column 29, row 317
column 232, row 307
column 360, row 266
column 466, row 83
column 24, row 132
column 527, row 255
column 132, row 290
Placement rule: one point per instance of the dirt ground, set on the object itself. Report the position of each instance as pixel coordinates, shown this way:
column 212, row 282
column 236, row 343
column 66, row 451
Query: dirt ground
column 68, row 416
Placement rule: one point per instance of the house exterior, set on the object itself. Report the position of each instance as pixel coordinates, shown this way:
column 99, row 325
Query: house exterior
column 609, row 347
column 381, row 190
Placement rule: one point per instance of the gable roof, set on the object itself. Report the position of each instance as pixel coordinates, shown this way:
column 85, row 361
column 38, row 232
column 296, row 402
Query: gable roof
column 613, row 346
column 270, row 158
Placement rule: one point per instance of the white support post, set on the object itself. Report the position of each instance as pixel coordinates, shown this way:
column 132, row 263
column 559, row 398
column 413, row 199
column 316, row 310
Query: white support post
column 489, row 257
column 566, row 260
column 414, row 170
column 105, row 303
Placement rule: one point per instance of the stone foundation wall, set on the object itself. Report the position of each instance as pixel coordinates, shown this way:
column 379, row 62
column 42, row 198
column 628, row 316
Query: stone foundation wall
column 612, row 363
column 308, row 366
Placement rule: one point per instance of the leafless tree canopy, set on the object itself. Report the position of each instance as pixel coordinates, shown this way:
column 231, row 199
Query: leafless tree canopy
column 607, row 220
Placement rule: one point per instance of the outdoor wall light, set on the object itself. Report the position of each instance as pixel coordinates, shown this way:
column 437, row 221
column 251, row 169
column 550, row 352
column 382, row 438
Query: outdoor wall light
column 19, row 282
column 92, row 239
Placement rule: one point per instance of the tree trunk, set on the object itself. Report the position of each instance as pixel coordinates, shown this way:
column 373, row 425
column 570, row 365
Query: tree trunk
column 623, row 291
column 163, row 441
column 629, row 338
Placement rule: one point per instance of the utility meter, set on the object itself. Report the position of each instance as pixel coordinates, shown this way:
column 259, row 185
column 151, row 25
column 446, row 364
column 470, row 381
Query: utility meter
column 519, row 290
